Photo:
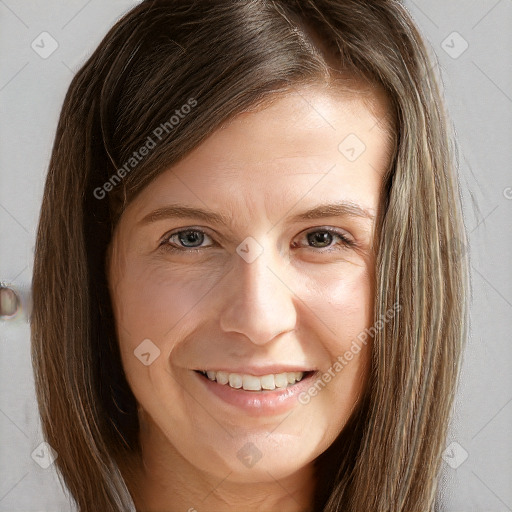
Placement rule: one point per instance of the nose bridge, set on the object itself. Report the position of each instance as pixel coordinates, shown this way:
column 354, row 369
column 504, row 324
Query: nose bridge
column 258, row 304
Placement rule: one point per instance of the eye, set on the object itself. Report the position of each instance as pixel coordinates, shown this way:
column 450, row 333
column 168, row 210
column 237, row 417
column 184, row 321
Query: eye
column 185, row 240
column 321, row 238
column 192, row 239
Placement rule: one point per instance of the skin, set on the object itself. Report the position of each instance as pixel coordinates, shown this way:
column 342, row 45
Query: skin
column 212, row 309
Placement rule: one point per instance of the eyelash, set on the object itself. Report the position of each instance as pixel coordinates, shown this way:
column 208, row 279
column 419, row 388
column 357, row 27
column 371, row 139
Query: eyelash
column 167, row 247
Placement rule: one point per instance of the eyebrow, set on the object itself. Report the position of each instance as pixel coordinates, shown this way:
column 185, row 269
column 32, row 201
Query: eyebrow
column 337, row 209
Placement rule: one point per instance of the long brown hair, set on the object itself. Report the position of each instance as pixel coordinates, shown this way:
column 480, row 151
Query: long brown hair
column 228, row 56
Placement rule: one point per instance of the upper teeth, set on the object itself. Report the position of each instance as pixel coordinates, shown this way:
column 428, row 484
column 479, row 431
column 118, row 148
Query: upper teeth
column 254, row 383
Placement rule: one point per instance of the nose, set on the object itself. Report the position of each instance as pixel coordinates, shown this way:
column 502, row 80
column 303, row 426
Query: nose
column 258, row 302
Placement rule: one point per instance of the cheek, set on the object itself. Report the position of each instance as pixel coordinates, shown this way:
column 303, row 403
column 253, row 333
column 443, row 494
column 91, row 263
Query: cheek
column 153, row 300
column 342, row 299
column 344, row 302
column 155, row 303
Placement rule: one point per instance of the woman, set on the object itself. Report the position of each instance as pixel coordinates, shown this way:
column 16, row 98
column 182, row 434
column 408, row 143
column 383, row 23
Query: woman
column 246, row 293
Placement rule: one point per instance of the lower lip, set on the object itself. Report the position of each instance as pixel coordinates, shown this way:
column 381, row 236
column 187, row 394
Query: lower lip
column 259, row 403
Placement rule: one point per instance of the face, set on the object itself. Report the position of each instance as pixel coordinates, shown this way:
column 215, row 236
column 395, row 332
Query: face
column 258, row 292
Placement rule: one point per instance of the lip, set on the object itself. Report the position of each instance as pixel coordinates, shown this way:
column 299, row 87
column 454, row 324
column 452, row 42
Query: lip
column 259, row 371
column 257, row 403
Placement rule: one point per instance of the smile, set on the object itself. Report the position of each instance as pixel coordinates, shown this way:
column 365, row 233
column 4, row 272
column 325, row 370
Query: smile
column 256, row 395
column 252, row 382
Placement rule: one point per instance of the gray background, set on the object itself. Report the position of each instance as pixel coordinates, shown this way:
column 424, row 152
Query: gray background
column 478, row 90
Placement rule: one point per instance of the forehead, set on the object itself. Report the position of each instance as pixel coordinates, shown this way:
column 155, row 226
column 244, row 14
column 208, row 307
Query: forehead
column 301, row 124
column 310, row 140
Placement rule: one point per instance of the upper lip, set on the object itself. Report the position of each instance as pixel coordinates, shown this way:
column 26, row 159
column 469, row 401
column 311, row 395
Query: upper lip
column 259, row 370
